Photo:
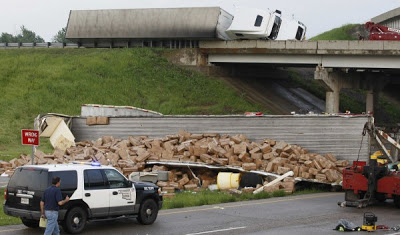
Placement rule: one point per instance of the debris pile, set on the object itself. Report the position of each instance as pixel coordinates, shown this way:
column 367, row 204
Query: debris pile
column 133, row 154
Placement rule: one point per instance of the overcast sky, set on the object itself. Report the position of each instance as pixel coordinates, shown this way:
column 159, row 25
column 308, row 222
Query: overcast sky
column 47, row 17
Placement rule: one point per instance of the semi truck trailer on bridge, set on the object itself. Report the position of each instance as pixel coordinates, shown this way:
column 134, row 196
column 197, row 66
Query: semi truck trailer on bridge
column 125, row 27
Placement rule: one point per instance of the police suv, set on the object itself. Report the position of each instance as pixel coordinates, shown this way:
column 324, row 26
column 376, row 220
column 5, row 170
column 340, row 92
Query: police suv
column 96, row 193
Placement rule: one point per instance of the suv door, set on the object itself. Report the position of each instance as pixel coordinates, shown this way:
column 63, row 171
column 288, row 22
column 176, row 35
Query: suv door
column 96, row 193
column 26, row 187
column 69, row 181
column 122, row 193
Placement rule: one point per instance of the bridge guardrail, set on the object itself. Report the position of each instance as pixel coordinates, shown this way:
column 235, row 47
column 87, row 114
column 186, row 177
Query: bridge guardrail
column 11, row 45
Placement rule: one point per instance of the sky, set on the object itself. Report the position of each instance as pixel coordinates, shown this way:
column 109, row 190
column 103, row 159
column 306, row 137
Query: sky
column 47, row 17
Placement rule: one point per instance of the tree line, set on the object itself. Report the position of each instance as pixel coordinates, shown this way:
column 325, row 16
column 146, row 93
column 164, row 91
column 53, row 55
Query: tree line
column 28, row 36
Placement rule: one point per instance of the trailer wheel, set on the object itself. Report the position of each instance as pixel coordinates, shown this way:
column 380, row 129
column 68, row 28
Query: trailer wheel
column 350, row 196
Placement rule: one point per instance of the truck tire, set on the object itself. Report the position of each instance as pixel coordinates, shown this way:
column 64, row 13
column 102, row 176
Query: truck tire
column 380, row 197
column 30, row 223
column 75, row 220
column 148, row 212
column 396, row 200
column 350, row 196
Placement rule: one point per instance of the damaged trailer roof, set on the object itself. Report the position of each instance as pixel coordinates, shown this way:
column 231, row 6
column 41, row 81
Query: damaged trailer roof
column 231, row 168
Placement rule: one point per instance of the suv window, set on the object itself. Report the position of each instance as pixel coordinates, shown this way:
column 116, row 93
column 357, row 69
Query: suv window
column 94, row 180
column 29, row 179
column 69, row 179
column 115, row 179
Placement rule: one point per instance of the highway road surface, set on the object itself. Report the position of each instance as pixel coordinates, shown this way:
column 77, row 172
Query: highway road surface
column 305, row 214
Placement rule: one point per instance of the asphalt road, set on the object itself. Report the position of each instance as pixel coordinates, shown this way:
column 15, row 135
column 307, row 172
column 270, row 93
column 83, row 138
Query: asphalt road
column 305, row 214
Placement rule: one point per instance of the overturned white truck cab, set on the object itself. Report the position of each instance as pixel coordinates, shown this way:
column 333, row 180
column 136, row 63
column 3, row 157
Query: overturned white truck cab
column 251, row 23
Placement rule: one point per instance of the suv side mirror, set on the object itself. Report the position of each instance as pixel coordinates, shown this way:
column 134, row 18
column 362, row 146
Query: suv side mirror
column 129, row 183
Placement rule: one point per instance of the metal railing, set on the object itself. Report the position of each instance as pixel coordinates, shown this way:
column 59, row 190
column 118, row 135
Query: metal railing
column 38, row 45
column 176, row 44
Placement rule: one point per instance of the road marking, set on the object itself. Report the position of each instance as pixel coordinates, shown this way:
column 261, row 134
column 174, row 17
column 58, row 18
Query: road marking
column 247, row 204
column 219, row 208
column 393, row 233
column 11, row 230
column 216, row 231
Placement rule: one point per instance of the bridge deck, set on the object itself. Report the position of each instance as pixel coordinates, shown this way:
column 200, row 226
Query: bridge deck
column 334, row 54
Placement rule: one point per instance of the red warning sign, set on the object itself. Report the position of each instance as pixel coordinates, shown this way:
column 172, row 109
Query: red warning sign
column 30, row 137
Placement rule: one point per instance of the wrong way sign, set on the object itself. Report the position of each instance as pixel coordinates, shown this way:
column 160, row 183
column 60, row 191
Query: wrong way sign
column 30, row 137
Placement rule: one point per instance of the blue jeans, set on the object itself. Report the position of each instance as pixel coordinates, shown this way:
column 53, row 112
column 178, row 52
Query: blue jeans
column 52, row 223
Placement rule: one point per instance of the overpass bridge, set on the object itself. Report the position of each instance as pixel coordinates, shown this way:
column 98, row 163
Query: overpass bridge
column 368, row 65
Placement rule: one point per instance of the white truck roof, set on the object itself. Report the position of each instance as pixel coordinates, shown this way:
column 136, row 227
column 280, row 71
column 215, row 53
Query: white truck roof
column 71, row 166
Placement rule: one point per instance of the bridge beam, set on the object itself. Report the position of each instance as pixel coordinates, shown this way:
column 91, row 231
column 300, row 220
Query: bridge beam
column 334, row 81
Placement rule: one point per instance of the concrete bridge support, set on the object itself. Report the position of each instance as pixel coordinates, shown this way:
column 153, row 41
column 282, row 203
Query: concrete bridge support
column 369, row 101
column 373, row 83
column 334, row 81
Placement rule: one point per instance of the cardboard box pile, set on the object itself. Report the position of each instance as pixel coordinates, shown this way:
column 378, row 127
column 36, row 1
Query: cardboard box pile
column 131, row 154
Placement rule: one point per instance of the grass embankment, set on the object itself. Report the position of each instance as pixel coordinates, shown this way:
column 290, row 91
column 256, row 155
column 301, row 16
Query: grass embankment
column 5, row 219
column 206, row 197
column 340, row 33
column 39, row 81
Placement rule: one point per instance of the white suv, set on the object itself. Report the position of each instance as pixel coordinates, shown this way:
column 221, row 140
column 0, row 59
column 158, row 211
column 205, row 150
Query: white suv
column 96, row 193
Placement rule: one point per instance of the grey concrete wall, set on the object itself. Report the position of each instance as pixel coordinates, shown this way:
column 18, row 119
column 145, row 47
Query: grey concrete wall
column 323, row 134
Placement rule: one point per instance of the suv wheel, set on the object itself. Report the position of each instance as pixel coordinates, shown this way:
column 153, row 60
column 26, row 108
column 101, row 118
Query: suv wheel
column 30, row 223
column 148, row 212
column 75, row 220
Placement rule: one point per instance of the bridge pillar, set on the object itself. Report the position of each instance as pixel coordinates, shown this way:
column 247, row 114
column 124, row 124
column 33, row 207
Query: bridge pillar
column 369, row 101
column 374, row 84
column 333, row 81
column 332, row 101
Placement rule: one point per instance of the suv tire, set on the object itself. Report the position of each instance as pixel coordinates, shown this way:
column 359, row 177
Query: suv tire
column 148, row 212
column 75, row 220
column 30, row 223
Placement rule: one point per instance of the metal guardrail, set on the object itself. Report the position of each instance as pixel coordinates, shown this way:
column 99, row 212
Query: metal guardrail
column 5, row 45
column 176, row 44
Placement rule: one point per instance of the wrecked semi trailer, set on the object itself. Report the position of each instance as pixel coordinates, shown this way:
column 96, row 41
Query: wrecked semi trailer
column 127, row 27
column 336, row 134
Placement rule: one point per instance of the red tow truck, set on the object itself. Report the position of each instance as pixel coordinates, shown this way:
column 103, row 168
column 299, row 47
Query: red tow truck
column 367, row 182
column 380, row 32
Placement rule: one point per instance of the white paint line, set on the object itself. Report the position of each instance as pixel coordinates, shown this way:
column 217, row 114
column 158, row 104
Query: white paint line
column 12, row 230
column 393, row 233
column 216, row 231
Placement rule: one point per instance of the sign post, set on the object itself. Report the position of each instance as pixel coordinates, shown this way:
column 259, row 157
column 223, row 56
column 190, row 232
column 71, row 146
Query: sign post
column 30, row 137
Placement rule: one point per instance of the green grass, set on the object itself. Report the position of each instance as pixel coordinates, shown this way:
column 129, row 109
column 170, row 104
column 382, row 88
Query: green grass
column 341, row 33
column 392, row 110
column 39, row 81
column 206, row 197
column 5, row 219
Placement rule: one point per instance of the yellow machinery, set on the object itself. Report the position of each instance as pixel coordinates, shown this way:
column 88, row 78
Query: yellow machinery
column 380, row 158
column 369, row 222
